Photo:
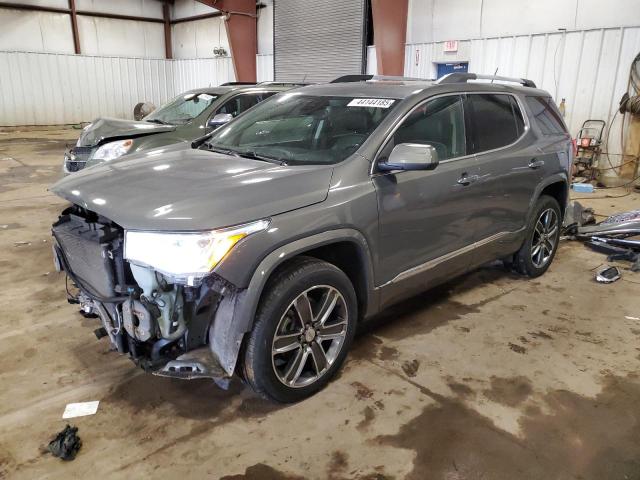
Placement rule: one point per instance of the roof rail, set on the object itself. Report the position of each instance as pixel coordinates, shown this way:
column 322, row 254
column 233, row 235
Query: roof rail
column 465, row 77
column 284, row 84
column 231, row 84
column 379, row 78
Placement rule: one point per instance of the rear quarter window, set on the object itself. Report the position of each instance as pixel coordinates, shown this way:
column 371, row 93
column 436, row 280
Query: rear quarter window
column 546, row 116
column 496, row 121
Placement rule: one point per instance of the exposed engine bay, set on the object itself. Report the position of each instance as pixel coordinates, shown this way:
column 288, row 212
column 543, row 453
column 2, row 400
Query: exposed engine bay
column 162, row 325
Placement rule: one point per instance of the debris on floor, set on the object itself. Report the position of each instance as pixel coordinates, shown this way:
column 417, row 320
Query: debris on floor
column 577, row 216
column 582, row 187
column 81, row 409
column 608, row 274
column 66, row 444
column 617, row 236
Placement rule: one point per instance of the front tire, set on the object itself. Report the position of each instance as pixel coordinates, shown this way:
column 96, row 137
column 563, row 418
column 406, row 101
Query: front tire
column 542, row 239
column 303, row 328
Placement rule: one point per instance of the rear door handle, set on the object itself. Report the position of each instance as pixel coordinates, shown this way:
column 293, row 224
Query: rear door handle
column 465, row 179
column 535, row 163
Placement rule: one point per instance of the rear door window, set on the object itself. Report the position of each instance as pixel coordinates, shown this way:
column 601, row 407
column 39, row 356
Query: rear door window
column 546, row 116
column 496, row 121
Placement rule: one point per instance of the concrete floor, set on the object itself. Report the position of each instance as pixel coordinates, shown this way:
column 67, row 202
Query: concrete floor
column 492, row 376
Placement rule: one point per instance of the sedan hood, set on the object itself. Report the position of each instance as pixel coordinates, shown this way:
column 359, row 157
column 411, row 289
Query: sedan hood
column 113, row 128
column 184, row 189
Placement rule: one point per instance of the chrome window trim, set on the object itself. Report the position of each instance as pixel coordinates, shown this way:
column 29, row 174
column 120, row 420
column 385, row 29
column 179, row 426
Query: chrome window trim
column 525, row 118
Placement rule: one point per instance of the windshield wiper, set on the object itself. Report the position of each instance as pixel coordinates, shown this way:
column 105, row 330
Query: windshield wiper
column 226, row 151
column 256, row 156
column 156, row 120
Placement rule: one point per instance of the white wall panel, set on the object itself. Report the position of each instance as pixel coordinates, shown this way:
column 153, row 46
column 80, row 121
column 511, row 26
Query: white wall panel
column 106, row 36
column 198, row 38
column 47, row 3
column 265, row 30
column 264, row 68
column 140, row 8
column 189, row 8
column 453, row 19
column 440, row 20
column 519, row 17
column 372, row 60
column 588, row 68
column 52, row 89
column 201, row 72
column 607, row 14
column 35, row 31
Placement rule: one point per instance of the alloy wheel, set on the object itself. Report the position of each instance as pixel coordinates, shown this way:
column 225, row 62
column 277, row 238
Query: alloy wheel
column 544, row 238
column 309, row 336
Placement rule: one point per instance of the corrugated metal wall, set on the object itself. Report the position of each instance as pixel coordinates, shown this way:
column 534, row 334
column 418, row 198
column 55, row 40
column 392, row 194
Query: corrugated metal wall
column 589, row 68
column 53, row 89
column 317, row 41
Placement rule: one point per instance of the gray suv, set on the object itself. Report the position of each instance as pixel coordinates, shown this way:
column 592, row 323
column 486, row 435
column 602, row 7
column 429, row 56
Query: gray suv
column 188, row 116
column 259, row 250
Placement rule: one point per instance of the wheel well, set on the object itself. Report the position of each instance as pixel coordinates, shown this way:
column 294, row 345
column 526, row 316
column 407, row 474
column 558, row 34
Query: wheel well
column 557, row 190
column 349, row 258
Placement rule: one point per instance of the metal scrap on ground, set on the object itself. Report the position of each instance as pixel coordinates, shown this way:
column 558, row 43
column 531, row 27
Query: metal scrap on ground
column 617, row 236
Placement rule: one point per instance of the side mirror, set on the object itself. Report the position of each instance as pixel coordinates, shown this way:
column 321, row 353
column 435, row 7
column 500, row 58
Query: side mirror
column 219, row 120
column 410, row 156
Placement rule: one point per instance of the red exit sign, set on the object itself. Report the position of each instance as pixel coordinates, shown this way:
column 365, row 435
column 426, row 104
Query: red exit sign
column 451, row 46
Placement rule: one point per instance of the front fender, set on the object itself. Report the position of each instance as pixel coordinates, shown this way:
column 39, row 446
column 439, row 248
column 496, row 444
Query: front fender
column 236, row 312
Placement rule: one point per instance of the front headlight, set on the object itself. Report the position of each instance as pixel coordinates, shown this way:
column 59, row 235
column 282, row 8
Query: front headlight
column 186, row 255
column 112, row 150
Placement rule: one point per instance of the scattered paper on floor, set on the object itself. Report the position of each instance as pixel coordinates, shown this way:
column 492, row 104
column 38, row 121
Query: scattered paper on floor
column 80, row 409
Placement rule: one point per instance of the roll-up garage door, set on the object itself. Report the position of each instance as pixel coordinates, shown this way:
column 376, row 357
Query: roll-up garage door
column 318, row 40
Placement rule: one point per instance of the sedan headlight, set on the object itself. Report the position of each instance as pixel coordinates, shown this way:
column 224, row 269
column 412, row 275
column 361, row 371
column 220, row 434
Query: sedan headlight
column 185, row 256
column 112, row 150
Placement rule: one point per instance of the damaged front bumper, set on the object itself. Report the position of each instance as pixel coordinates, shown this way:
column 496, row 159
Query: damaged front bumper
column 165, row 327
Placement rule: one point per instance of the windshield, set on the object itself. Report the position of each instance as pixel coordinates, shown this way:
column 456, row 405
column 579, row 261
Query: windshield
column 182, row 109
column 298, row 129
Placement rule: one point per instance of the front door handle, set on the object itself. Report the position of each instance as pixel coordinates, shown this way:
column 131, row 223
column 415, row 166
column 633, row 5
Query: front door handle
column 465, row 179
column 535, row 163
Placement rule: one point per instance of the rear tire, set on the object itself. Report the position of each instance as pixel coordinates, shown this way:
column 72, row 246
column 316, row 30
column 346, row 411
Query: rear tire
column 303, row 328
column 542, row 238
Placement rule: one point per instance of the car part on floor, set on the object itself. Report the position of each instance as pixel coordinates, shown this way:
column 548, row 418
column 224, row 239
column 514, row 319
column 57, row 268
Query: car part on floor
column 623, row 224
column 616, row 236
column 576, row 215
column 608, row 275
column 66, row 444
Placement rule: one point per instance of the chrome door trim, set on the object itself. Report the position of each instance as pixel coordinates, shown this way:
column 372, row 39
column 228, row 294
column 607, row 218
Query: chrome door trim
column 439, row 260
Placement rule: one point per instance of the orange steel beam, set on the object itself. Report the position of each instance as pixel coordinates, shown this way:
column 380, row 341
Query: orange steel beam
column 390, row 34
column 74, row 26
column 168, row 51
column 240, row 20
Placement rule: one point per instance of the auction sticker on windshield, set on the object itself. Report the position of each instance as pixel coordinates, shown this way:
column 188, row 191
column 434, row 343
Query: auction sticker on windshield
column 371, row 102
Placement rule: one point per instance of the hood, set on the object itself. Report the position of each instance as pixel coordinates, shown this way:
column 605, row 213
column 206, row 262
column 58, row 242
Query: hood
column 186, row 189
column 106, row 128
